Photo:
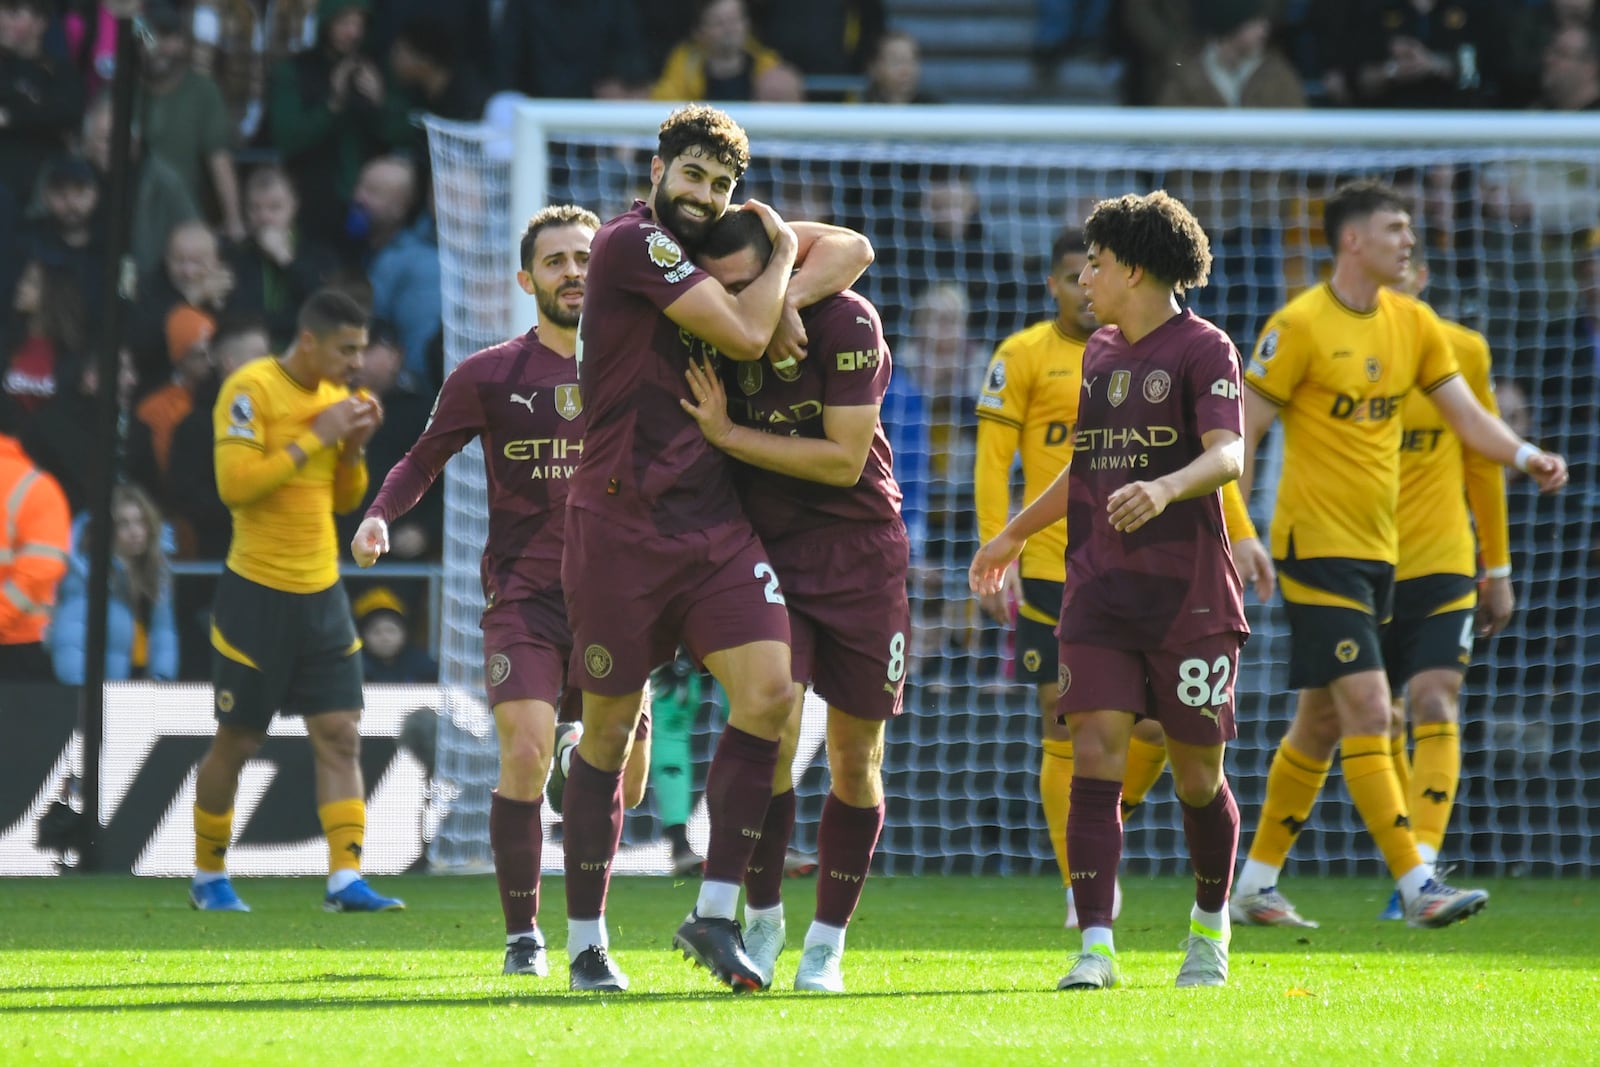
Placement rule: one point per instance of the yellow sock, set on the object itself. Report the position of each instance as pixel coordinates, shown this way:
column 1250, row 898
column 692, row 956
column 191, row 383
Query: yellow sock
column 1438, row 774
column 1293, row 784
column 1055, row 791
column 1369, row 776
column 345, row 824
column 212, row 834
column 1402, row 766
column 1145, row 764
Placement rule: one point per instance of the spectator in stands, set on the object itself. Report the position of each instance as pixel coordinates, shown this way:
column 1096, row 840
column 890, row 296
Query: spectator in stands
column 160, row 201
column 1531, row 31
column 387, row 654
column 192, row 274
column 70, row 233
column 895, row 74
column 41, row 97
column 329, row 114
column 1424, row 54
column 1571, row 74
column 34, row 539
column 821, row 36
column 48, row 335
column 141, row 636
column 63, row 437
column 278, row 265
column 470, row 26
column 185, row 121
column 205, row 523
column 162, row 409
column 405, row 415
column 560, row 49
column 1237, row 66
column 427, row 65
column 92, row 44
column 402, row 259
column 1153, row 34
column 720, row 60
column 228, row 37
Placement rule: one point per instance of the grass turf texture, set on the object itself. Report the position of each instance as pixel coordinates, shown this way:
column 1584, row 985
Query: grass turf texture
column 113, row 970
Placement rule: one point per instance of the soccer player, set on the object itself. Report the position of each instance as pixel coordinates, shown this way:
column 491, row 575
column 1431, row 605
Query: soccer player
column 658, row 550
column 290, row 441
column 1338, row 362
column 815, row 478
column 1152, row 617
column 521, row 399
column 1029, row 406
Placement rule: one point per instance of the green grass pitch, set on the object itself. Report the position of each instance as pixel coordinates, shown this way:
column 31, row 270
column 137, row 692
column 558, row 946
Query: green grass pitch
column 954, row 970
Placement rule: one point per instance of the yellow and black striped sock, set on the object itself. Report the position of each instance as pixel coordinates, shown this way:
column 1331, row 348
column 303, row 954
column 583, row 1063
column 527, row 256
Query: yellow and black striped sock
column 344, row 822
column 212, row 835
column 1055, row 794
column 1433, row 788
column 1293, row 783
column 1369, row 776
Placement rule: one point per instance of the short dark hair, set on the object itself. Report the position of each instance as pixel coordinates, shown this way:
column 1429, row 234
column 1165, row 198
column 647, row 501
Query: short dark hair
column 1067, row 243
column 327, row 310
column 549, row 218
column 709, row 129
column 735, row 232
column 1155, row 232
column 1355, row 201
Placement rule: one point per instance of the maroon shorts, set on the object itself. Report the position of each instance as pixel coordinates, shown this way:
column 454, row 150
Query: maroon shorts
column 526, row 646
column 1187, row 689
column 848, row 615
column 633, row 598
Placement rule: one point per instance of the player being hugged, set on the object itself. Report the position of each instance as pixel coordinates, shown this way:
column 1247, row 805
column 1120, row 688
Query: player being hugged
column 816, row 479
column 658, row 550
column 1152, row 619
column 521, row 399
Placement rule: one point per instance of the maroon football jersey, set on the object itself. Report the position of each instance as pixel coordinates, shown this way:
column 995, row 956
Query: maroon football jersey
column 522, row 399
column 847, row 365
column 645, row 463
column 1143, row 410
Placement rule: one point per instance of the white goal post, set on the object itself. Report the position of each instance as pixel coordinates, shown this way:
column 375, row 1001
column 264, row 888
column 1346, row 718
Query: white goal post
column 1507, row 208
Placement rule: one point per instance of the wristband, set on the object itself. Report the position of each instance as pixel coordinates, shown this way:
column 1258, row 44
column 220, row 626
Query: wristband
column 1503, row 571
column 1525, row 452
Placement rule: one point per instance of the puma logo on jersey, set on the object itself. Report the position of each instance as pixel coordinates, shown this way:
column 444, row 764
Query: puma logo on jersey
column 863, row 320
column 525, row 401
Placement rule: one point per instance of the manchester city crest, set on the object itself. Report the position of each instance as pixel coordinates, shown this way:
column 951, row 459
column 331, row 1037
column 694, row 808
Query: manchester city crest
column 1157, row 384
column 569, row 402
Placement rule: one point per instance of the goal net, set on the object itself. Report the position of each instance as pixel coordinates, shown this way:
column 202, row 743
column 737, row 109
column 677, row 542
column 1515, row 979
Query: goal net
column 962, row 205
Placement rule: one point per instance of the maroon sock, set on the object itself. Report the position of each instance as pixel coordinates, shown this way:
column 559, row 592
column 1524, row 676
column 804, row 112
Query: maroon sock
column 1213, row 836
column 845, row 842
column 1094, row 848
column 738, row 792
column 763, row 875
column 516, row 838
column 591, row 809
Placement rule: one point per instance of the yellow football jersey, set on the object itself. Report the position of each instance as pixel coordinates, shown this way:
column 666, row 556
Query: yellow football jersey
column 1029, row 404
column 1435, row 536
column 1339, row 377
column 283, row 532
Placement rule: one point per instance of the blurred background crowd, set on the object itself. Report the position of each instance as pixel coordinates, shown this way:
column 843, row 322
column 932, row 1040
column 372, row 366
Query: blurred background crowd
column 277, row 149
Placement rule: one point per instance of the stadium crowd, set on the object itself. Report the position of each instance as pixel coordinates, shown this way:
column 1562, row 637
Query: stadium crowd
column 277, row 150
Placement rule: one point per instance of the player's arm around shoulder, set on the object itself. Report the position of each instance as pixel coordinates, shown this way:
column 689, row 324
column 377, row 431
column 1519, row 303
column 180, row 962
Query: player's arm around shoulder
column 741, row 325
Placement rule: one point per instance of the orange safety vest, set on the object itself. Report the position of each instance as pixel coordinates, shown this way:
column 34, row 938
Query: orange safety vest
column 35, row 534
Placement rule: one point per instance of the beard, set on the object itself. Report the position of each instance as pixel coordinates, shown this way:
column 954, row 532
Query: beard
column 692, row 232
column 551, row 307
